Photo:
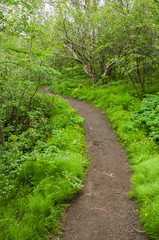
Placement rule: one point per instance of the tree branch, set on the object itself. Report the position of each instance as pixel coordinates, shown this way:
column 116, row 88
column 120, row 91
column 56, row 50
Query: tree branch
column 78, row 60
column 108, row 66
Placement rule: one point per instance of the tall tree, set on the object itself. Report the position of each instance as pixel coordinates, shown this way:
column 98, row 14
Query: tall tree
column 23, row 61
column 78, row 26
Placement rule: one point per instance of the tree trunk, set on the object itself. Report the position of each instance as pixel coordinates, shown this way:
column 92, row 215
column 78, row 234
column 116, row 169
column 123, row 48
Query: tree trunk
column 94, row 78
column 107, row 72
column 138, row 72
column 2, row 135
column 133, row 49
column 65, row 65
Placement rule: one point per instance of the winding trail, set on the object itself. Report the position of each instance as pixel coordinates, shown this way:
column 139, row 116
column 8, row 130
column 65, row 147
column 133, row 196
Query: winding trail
column 101, row 210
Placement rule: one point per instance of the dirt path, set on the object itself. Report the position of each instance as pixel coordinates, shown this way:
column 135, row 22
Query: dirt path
column 102, row 211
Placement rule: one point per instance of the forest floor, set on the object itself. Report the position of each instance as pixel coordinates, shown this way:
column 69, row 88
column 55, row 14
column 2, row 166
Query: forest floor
column 102, row 210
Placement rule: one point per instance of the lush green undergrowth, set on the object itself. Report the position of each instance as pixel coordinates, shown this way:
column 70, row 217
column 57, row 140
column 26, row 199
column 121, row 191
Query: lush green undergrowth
column 42, row 168
column 136, row 122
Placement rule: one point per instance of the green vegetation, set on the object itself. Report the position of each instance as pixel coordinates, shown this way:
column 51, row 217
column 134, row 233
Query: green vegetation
column 42, row 168
column 42, row 150
column 136, row 123
column 109, row 50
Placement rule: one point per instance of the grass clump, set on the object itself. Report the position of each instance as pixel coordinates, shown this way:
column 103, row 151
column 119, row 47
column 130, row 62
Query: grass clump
column 135, row 120
column 41, row 177
column 145, row 190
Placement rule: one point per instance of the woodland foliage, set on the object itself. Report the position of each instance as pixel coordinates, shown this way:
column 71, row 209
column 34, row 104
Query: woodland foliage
column 42, row 150
column 109, row 50
column 109, row 39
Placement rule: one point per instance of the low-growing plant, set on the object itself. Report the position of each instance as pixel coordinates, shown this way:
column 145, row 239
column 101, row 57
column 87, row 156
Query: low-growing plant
column 42, row 169
column 148, row 114
column 145, row 190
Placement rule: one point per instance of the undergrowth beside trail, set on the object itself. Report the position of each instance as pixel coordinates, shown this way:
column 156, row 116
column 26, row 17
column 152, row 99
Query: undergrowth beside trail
column 41, row 170
column 135, row 120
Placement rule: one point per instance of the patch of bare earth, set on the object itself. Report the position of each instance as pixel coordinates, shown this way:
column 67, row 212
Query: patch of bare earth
column 102, row 210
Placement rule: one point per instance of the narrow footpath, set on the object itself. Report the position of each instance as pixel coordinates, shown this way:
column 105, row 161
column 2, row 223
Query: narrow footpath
column 102, row 210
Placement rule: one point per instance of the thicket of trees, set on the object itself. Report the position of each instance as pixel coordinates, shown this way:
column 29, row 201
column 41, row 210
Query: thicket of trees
column 111, row 40
column 34, row 133
column 23, row 62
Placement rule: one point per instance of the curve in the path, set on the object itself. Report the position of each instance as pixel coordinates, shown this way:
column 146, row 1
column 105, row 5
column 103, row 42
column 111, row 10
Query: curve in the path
column 102, row 211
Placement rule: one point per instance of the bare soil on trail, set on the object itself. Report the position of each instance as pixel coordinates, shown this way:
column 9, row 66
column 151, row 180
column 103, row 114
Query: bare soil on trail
column 102, row 210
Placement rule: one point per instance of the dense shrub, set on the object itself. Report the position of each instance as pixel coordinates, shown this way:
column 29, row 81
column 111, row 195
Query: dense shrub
column 41, row 169
column 148, row 114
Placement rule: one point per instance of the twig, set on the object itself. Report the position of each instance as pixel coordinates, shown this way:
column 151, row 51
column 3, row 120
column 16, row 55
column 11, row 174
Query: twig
column 102, row 209
column 110, row 175
column 137, row 229
column 96, row 208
